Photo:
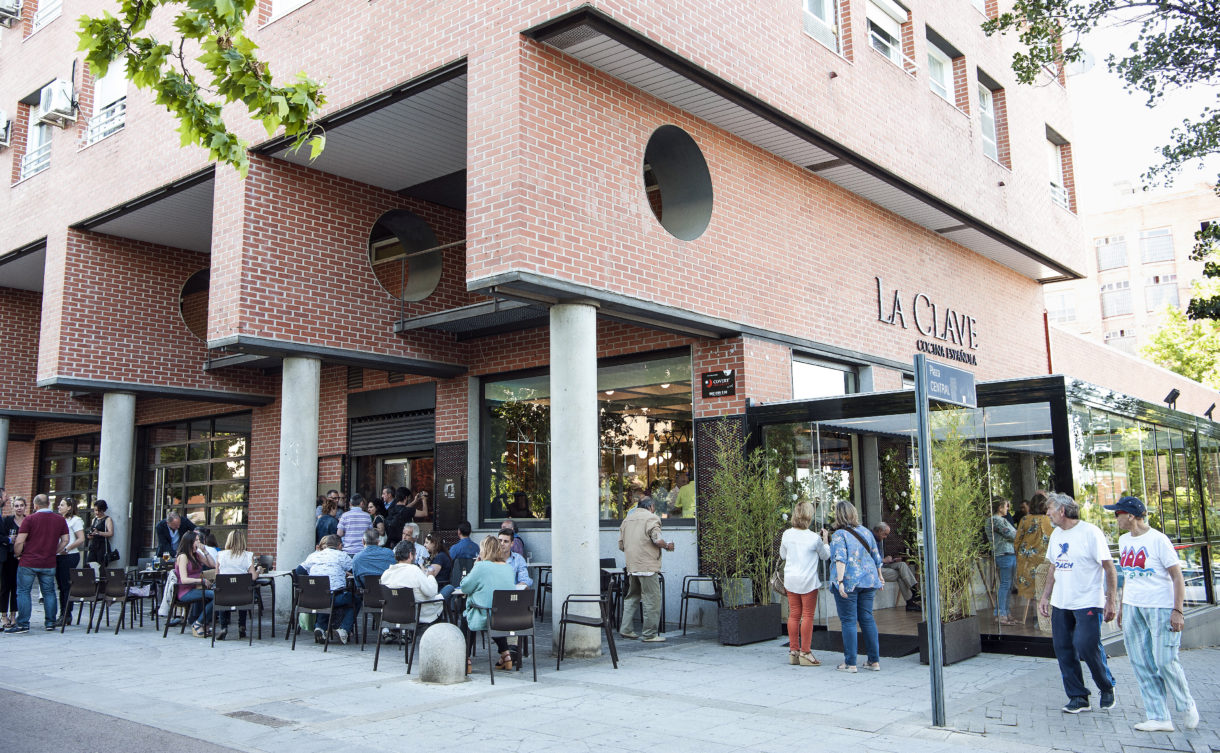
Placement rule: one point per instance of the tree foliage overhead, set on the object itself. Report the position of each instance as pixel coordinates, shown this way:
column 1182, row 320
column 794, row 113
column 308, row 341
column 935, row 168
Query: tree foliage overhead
column 1190, row 348
column 1176, row 45
column 211, row 34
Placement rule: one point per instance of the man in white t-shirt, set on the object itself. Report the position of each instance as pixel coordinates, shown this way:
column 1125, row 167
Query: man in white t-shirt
column 1152, row 619
column 1080, row 592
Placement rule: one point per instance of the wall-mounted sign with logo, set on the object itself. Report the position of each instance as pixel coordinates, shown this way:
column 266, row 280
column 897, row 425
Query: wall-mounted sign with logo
column 944, row 327
column 719, row 383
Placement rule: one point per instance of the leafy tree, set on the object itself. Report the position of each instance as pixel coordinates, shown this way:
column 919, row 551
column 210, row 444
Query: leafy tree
column 215, row 29
column 1187, row 347
column 1177, row 45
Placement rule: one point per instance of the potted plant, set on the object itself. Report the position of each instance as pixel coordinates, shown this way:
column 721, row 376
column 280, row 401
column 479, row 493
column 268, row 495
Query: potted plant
column 960, row 515
column 741, row 526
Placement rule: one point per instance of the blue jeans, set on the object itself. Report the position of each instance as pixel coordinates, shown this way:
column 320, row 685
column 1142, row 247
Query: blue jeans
column 46, row 584
column 1005, row 564
column 347, row 617
column 856, row 609
column 205, row 605
column 1077, row 637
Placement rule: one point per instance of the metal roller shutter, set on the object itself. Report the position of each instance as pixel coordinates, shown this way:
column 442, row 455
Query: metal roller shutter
column 396, row 432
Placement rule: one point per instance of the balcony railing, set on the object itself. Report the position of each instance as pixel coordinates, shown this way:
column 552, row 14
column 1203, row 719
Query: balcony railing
column 36, row 160
column 48, row 11
column 110, row 120
column 1059, row 195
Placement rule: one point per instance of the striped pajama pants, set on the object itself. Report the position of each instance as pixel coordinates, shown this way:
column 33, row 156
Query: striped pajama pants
column 1153, row 649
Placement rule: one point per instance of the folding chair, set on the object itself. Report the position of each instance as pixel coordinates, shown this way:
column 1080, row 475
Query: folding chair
column 512, row 616
column 82, row 587
column 313, row 598
column 602, row 621
column 235, row 593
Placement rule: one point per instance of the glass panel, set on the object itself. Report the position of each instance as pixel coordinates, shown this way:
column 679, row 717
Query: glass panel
column 197, row 472
column 229, row 494
column 174, row 454
column 196, row 495
column 228, row 469
column 230, row 447
column 201, row 428
column 1194, row 573
column 199, row 451
column 239, row 423
column 228, row 516
column 175, row 475
column 197, row 515
column 811, row 380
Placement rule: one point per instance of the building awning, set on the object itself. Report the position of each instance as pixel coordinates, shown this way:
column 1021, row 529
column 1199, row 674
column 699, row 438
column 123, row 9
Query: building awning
column 598, row 40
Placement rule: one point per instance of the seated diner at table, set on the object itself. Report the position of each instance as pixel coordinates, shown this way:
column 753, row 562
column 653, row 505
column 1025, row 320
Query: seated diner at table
column 193, row 559
column 406, row 573
column 521, row 570
column 490, row 573
column 331, row 561
column 439, row 561
column 234, row 559
column 373, row 559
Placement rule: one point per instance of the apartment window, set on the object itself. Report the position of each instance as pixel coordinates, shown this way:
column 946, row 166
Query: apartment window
column 980, row 5
column 1111, row 252
column 1161, row 290
column 888, row 22
column 1121, row 339
column 1058, row 153
column 1116, row 299
column 987, row 123
column 1060, row 305
column 38, row 147
column 284, row 7
column 1156, row 245
column 1205, row 224
column 109, row 104
column 820, row 19
column 46, row 12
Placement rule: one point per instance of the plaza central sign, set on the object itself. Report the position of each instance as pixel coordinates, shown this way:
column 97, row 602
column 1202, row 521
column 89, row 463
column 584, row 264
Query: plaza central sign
column 944, row 327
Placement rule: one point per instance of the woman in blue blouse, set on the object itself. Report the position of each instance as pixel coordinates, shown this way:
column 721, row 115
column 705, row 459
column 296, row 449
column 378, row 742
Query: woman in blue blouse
column 857, row 578
column 489, row 574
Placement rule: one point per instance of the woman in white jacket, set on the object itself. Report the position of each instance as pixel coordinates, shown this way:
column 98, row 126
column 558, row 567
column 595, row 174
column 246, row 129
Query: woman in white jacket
column 800, row 549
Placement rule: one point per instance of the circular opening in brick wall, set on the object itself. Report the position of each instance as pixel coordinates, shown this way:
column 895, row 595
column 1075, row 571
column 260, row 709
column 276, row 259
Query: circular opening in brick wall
column 193, row 303
column 395, row 244
column 677, row 182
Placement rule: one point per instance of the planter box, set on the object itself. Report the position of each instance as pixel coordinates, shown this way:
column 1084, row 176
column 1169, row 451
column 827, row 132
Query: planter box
column 750, row 624
column 960, row 640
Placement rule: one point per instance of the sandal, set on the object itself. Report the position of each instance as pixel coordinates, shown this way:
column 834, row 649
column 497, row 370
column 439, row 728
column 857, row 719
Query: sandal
column 807, row 659
column 846, row 668
column 794, row 658
column 506, row 662
column 874, row 666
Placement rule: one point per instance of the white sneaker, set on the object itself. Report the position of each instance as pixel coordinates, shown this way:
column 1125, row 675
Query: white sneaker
column 1154, row 725
column 342, row 635
column 1192, row 716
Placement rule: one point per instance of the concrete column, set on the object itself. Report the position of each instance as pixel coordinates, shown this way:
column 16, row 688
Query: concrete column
column 116, row 468
column 298, row 484
column 574, row 463
column 3, row 447
column 869, row 477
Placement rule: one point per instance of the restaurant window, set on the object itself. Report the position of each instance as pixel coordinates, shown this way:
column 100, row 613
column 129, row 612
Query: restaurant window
column 1111, row 252
column 200, row 469
column 811, row 379
column 645, row 425
column 1156, row 245
column 67, row 467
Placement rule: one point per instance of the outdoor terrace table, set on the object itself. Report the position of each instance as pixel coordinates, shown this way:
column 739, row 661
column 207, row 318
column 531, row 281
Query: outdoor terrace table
column 268, row 579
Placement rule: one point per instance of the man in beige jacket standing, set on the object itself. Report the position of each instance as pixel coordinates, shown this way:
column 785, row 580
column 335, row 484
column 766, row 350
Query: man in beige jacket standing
column 639, row 538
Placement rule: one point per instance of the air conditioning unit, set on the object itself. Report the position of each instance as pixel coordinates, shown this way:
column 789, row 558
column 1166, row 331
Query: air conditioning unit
column 6, row 129
column 10, row 12
column 55, row 106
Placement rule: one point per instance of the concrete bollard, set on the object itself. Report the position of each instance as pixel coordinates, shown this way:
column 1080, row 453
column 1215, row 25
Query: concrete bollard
column 442, row 655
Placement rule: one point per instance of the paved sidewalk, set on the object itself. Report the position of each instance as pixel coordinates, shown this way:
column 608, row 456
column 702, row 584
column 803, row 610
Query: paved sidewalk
column 689, row 694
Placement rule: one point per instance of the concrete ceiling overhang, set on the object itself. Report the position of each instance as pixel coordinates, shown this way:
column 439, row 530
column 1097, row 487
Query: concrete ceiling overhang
column 178, row 214
column 22, row 268
column 598, row 40
column 410, row 139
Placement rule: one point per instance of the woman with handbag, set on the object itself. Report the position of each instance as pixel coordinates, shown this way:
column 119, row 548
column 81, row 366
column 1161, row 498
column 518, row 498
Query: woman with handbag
column 801, row 550
column 857, row 577
column 100, row 533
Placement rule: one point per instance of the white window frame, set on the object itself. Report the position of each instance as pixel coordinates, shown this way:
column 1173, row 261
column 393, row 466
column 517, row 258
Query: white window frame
column 885, row 19
column 1153, row 235
column 987, row 125
column 1106, row 241
column 281, row 8
column 48, row 11
column 109, row 105
column 1059, row 193
column 820, row 20
column 37, row 155
column 980, row 6
column 1118, row 291
column 942, row 87
column 1162, row 290
column 1065, row 310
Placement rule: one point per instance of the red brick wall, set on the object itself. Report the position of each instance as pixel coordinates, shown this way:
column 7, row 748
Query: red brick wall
column 20, row 314
column 19, row 471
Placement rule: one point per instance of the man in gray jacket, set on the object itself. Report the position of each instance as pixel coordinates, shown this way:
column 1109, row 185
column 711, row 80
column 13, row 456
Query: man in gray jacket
column 639, row 538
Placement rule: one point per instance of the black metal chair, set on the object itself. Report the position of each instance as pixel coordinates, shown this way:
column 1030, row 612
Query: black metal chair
column 313, row 597
column 399, row 611
column 373, row 602
column 117, row 590
column 688, row 584
column 236, row 593
column 544, row 588
column 177, row 606
column 461, row 566
column 293, row 626
column 602, row 621
column 82, row 587
column 512, row 616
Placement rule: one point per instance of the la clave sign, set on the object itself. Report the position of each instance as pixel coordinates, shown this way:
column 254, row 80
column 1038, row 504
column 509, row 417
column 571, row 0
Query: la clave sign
column 951, row 334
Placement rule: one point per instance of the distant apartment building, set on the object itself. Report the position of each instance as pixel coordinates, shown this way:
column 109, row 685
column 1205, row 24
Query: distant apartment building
column 1138, row 264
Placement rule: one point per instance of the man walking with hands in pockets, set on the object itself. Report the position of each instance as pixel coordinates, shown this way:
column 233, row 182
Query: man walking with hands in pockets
column 1152, row 620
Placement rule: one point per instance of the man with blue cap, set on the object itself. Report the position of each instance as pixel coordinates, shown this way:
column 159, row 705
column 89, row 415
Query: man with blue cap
column 1151, row 618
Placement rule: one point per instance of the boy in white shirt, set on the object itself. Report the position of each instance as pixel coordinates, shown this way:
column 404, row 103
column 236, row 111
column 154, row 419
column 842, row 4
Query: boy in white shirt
column 1152, row 620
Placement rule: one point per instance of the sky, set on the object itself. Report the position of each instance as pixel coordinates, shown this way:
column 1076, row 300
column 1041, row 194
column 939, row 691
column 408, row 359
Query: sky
column 1116, row 135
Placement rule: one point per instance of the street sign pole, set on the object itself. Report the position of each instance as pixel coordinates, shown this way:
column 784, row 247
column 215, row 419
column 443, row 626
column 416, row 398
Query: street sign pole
column 931, row 575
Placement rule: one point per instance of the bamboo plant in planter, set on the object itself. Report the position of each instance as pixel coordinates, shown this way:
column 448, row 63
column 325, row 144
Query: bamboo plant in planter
column 740, row 532
column 959, row 508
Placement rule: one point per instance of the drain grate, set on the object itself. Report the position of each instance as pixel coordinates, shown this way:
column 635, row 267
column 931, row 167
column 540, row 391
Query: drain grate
column 263, row 719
